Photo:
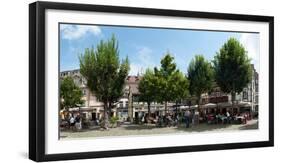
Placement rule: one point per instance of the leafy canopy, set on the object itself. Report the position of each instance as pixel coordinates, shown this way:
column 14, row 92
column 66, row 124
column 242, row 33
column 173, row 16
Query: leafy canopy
column 70, row 93
column 180, row 86
column 171, row 83
column 200, row 75
column 232, row 67
column 104, row 73
column 165, row 80
column 148, row 86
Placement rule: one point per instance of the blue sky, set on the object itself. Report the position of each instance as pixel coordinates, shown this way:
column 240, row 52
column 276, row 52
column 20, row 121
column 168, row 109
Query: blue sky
column 146, row 46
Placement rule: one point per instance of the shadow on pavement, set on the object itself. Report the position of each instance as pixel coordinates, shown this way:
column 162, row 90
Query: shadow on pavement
column 203, row 127
column 249, row 127
column 140, row 127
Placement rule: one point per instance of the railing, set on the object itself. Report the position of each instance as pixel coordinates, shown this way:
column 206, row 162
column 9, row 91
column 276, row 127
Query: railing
column 214, row 99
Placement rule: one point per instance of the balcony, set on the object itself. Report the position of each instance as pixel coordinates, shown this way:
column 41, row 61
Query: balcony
column 214, row 99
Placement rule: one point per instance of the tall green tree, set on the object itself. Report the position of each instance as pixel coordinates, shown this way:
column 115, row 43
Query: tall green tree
column 180, row 87
column 147, row 88
column 105, row 74
column 70, row 94
column 232, row 67
column 165, row 80
column 201, row 77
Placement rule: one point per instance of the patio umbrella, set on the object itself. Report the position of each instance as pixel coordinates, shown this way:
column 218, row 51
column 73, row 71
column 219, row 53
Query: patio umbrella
column 74, row 109
column 193, row 106
column 245, row 104
column 184, row 107
column 209, row 105
column 225, row 104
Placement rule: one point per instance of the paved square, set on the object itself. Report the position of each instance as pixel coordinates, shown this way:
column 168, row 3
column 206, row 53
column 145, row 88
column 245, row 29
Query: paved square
column 151, row 129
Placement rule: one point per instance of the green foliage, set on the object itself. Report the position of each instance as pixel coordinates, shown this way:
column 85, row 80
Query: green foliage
column 171, row 83
column 113, row 120
column 232, row 67
column 147, row 86
column 164, row 84
column 200, row 74
column 164, row 78
column 71, row 94
column 180, row 86
column 104, row 72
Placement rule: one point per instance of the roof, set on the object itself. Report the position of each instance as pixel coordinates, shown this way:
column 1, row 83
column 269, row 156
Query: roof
column 133, row 79
column 134, row 89
column 133, row 82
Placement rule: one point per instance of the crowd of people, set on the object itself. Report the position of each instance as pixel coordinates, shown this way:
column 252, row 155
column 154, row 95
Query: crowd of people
column 216, row 118
column 194, row 117
column 75, row 122
column 188, row 117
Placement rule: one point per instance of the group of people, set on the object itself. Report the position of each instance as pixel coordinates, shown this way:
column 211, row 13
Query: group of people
column 75, row 122
column 219, row 118
column 191, row 118
column 166, row 120
column 240, row 118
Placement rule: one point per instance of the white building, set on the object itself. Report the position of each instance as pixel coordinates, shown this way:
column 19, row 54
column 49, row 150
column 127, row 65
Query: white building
column 92, row 108
column 247, row 100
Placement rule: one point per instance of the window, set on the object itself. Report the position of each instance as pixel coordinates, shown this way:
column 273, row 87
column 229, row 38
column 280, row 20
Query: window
column 84, row 92
column 245, row 95
column 127, row 104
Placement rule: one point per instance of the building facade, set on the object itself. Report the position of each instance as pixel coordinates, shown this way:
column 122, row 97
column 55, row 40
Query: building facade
column 247, row 100
column 129, row 107
column 250, row 94
column 92, row 108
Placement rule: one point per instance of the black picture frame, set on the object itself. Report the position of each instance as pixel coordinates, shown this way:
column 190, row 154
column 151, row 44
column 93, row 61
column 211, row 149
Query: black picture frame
column 37, row 80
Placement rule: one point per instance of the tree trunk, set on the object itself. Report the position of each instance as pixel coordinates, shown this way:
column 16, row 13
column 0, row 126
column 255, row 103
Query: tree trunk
column 130, row 107
column 176, row 107
column 88, row 98
column 217, row 103
column 109, row 109
column 199, row 99
column 148, row 109
column 232, row 100
column 105, row 123
column 165, row 107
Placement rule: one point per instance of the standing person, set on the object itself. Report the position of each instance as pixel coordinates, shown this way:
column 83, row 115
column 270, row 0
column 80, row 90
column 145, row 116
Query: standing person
column 72, row 122
column 78, row 122
column 228, row 117
column 176, row 119
column 142, row 119
column 192, row 117
column 196, row 117
column 186, row 115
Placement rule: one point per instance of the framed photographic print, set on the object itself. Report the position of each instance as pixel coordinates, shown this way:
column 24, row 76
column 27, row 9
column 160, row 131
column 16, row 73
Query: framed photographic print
column 108, row 81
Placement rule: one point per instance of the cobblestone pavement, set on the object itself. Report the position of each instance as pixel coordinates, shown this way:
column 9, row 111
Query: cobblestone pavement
column 151, row 129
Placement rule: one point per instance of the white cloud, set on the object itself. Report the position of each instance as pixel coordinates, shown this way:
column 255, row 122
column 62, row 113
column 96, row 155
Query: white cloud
column 71, row 32
column 135, row 69
column 144, row 54
column 144, row 60
column 252, row 46
column 251, row 43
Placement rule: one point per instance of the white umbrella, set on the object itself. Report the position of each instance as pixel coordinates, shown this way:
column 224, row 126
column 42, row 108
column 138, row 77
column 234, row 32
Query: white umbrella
column 209, row 105
column 73, row 109
column 193, row 106
column 245, row 104
column 225, row 104
column 184, row 107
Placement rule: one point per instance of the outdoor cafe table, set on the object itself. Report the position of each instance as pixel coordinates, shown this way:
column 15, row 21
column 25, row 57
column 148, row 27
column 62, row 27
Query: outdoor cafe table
column 240, row 118
column 223, row 118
